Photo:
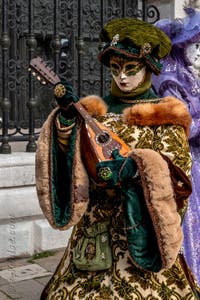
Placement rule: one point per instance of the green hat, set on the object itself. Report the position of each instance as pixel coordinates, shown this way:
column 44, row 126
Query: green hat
column 133, row 38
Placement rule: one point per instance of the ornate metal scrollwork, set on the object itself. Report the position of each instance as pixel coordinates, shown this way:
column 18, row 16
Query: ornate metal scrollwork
column 153, row 14
column 66, row 35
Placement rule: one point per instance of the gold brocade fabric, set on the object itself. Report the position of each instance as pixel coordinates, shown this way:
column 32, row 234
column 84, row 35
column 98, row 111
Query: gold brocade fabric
column 123, row 281
column 166, row 139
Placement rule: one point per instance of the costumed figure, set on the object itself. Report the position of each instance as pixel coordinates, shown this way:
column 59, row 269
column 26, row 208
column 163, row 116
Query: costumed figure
column 180, row 77
column 126, row 210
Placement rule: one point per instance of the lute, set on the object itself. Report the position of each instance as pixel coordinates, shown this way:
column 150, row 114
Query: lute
column 97, row 141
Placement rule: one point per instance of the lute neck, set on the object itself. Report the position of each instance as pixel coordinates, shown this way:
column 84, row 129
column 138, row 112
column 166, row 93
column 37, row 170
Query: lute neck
column 88, row 119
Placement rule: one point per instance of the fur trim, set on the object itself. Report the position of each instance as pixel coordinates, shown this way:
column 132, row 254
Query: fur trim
column 160, row 201
column 169, row 110
column 43, row 172
column 94, row 105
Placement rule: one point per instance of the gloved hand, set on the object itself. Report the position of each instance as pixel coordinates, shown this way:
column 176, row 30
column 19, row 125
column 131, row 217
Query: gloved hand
column 64, row 95
column 116, row 170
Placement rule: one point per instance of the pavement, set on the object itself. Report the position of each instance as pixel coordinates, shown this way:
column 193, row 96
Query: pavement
column 25, row 278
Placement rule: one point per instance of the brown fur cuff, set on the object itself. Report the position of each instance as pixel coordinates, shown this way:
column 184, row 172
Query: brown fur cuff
column 161, row 204
column 44, row 172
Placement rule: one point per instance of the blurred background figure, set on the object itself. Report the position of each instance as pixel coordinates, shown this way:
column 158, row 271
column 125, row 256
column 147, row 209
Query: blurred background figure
column 180, row 77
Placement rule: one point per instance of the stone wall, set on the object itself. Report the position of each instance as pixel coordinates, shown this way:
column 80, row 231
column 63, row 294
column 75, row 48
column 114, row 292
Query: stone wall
column 23, row 229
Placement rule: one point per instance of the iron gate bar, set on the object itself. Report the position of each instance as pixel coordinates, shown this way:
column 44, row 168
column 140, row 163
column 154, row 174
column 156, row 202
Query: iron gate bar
column 5, row 43
column 31, row 43
column 36, row 27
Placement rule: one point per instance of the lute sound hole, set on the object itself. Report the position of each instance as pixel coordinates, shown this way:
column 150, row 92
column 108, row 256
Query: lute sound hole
column 103, row 138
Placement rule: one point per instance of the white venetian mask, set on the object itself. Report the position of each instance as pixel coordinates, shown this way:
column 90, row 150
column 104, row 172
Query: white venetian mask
column 193, row 54
column 128, row 75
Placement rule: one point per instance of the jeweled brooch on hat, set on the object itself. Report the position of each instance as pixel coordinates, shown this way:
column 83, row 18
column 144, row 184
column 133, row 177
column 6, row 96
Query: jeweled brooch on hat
column 145, row 49
column 59, row 90
column 115, row 40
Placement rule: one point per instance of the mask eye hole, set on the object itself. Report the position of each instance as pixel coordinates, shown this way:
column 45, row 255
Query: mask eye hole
column 115, row 68
column 130, row 67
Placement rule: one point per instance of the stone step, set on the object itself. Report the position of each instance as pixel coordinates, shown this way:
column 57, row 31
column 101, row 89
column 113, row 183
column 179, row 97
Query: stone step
column 23, row 229
column 17, row 169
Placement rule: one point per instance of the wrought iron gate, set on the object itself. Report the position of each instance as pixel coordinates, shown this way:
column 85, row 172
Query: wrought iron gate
column 65, row 34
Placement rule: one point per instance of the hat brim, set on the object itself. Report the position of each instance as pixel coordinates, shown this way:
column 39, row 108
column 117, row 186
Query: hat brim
column 105, row 55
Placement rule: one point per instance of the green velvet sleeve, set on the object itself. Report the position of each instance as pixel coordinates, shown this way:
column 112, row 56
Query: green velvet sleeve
column 62, row 164
column 141, row 237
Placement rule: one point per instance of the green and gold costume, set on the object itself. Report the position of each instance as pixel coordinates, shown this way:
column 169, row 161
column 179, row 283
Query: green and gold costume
column 125, row 279
column 126, row 237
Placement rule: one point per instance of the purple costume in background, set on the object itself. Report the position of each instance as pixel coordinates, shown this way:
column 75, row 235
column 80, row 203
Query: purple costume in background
column 178, row 79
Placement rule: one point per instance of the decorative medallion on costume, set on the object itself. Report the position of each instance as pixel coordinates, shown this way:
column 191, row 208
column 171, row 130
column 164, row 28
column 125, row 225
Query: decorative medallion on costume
column 180, row 77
